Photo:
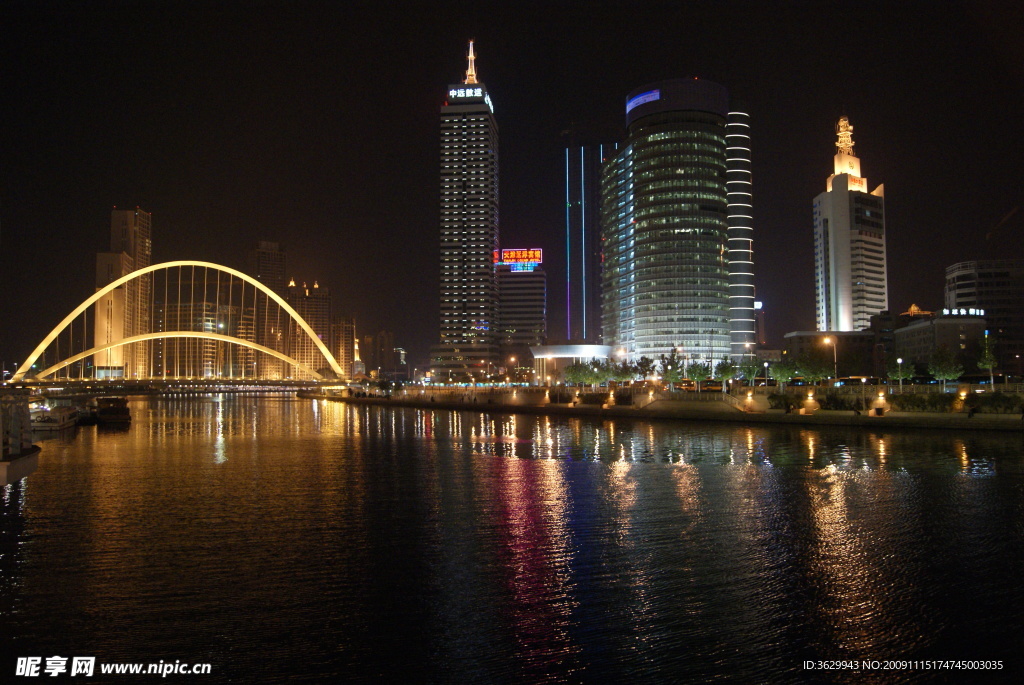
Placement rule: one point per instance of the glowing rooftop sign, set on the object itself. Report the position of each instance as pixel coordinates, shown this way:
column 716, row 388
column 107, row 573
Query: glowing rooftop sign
column 963, row 312
column 466, row 93
column 534, row 256
column 470, row 92
column 649, row 96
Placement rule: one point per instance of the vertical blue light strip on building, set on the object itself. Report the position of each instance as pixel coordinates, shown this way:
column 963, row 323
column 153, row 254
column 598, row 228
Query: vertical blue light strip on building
column 583, row 238
column 568, row 254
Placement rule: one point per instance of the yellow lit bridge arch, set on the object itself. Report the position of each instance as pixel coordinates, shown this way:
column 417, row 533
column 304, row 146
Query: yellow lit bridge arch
column 83, row 308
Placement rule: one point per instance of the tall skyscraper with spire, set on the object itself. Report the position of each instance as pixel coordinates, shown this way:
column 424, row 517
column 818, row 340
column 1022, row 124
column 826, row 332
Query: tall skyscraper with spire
column 469, row 231
column 850, row 278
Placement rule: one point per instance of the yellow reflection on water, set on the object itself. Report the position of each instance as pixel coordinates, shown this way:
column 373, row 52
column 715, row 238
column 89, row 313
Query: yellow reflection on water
column 847, row 565
column 960, row 450
column 810, row 440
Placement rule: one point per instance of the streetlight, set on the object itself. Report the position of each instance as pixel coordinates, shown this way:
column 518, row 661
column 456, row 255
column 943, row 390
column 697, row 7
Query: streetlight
column 835, row 358
column 899, row 362
column 863, row 390
column 766, row 375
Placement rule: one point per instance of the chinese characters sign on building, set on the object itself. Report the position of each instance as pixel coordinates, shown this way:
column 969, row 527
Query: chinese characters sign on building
column 534, row 256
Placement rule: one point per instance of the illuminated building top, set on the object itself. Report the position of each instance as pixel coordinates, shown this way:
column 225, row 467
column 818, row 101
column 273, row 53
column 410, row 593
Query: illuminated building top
column 845, row 162
column 470, row 91
column 471, row 71
column 844, row 130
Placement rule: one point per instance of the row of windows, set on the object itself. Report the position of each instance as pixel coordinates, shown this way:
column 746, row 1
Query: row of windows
column 646, row 152
column 683, row 163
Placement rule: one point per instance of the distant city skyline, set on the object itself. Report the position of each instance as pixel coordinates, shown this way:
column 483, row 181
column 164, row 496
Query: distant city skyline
column 243, row 123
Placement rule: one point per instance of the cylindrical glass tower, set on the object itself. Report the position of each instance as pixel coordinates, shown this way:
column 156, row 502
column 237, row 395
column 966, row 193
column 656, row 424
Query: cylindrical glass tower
column 665, row 225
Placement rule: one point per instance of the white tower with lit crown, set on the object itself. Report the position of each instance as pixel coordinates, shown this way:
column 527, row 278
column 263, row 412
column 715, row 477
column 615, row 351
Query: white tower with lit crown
column 850, row 277
column 469, row 232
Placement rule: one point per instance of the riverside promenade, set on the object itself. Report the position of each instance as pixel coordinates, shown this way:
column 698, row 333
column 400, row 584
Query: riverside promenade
column 710, row 406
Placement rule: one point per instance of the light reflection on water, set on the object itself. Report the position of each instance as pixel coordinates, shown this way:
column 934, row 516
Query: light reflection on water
column 283, row 538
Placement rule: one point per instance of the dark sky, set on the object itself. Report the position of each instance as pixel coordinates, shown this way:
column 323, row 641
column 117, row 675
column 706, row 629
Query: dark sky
column 316, row 125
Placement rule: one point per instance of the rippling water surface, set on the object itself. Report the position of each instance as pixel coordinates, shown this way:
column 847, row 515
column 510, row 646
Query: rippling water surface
column 284, row 539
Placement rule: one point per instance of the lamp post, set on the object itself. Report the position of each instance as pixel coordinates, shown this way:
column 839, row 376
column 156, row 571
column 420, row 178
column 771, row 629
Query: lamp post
column 835, row 357
column 766, row 376
column 863, row 393
column 899, row 363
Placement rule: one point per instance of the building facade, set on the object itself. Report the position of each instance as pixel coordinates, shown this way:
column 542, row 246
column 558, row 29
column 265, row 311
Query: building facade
column 343, row 344
column 125, row 311
column 583, row 240
column 739, row 190
column 961, row 336
column 469, row 230
column 522, row 303
column 313, row 304
column 997, row 287
column 671, row 229
column 267, row 264
column 850, row 276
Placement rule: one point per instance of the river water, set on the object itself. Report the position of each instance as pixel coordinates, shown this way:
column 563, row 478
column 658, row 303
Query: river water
column 280, row 539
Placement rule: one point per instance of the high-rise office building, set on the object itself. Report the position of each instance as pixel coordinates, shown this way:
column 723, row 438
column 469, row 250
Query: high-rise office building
column 313, row 304
column 384, row 354
column 469, row 230
column 667, row 219
column 267, row 265
column 343, row 343
column 522, row 302
column 850, row 279
column 125, row 312
column 996, row 287
column 583, row 240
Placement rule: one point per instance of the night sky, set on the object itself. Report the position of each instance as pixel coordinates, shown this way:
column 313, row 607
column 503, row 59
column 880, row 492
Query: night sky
column 316, row 125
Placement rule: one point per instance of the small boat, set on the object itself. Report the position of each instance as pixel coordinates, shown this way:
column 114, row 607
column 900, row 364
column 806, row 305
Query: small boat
column 53, row 418
column 112, row 410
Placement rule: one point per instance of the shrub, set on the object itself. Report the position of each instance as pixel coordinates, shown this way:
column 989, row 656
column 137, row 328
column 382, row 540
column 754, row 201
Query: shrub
column 934, row 402
column 777, row 401
column 838, row 402
column 994, row 403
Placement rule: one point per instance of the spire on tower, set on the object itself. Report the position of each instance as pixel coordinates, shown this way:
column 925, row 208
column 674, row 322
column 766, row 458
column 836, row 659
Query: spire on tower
column 844, row 143
column 471, row 72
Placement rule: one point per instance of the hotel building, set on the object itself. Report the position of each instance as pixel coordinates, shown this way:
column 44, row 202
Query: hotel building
column 522, row 302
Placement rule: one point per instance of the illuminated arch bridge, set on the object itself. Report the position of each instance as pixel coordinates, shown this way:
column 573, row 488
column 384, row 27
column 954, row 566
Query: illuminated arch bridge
column 182, row 319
